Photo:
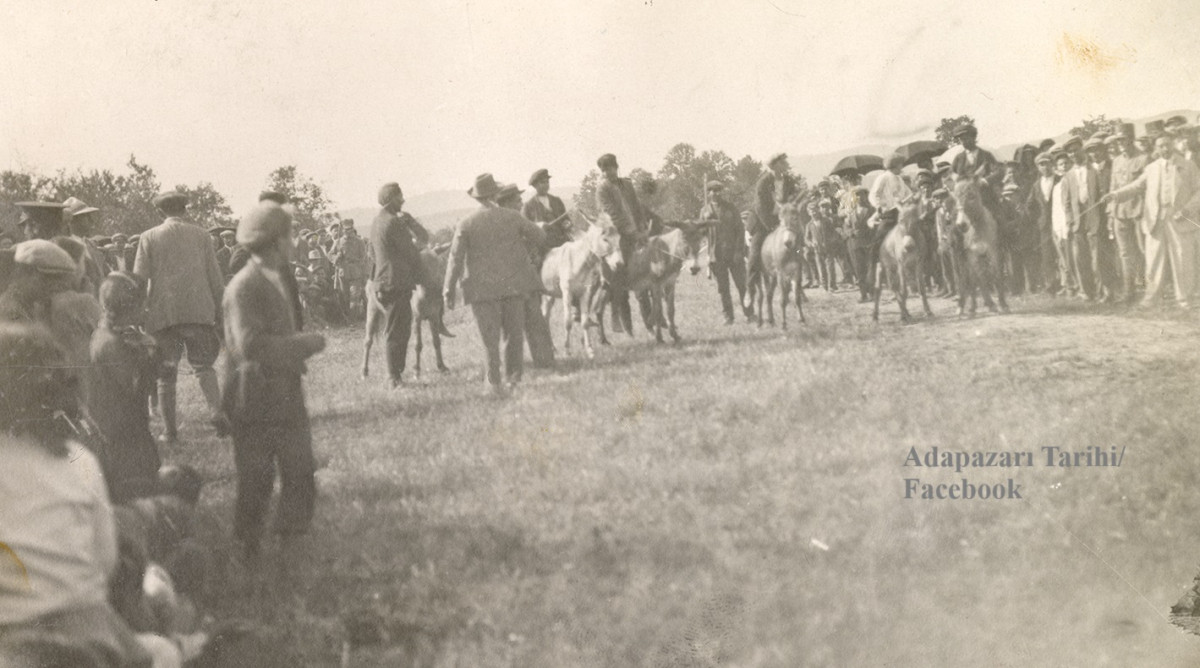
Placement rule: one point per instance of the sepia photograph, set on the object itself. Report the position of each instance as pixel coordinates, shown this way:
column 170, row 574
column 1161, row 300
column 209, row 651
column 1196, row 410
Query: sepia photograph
column 618, row 334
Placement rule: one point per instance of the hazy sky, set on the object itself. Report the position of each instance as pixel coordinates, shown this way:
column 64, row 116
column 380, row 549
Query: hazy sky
column 431, row 93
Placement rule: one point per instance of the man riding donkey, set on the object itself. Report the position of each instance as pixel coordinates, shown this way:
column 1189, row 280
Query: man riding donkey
column 774, row 188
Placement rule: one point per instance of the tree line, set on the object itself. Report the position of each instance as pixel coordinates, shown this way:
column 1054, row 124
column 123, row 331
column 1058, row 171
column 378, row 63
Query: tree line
column 125, row 197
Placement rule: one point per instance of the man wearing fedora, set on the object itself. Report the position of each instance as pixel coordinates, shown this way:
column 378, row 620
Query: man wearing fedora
column 537, row 329
column 547, row 211
column 263, row 391
column 395, row 273
column 491, row 253
column 177, row 261
column 81, row 223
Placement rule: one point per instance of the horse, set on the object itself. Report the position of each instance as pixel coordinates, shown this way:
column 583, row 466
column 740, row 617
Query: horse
column 902, row 261
column 782, row 254
column 572, row 272
column 981, row 248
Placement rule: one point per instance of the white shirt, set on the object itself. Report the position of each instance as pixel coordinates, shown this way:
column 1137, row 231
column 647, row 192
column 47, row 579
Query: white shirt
column 888, row 191
column 1058, row 212
column 1047, row 183
column 1081, row 177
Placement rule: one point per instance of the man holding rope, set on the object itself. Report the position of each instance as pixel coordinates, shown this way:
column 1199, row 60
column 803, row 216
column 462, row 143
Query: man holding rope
column 1170, row 188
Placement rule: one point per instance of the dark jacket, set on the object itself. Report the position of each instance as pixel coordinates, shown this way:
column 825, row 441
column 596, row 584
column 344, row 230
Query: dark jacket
column 396, row 265
column 265, row 356
column 769, row 193
column 238, row 258
column 618, row 200
column 726, row 239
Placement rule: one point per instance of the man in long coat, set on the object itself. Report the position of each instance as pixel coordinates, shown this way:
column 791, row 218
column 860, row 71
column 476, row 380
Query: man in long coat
column 395, row 273
column 726, row 248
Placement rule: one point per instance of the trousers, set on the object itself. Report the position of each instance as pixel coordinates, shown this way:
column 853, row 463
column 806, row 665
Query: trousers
column 259, row 449
column 733, row 270
column 502, row 320
column 393, row 320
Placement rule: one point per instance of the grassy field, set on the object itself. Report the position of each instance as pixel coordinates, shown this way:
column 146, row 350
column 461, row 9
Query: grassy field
column 737, row 500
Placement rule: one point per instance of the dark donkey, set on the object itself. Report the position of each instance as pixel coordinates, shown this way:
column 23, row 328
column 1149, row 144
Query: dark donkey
column 980, row 248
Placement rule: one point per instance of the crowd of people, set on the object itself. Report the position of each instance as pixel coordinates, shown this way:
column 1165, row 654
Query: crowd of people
column 102, row 554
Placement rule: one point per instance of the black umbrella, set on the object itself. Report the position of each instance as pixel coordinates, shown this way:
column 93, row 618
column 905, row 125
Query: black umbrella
column 859, row 164
column 920, row 150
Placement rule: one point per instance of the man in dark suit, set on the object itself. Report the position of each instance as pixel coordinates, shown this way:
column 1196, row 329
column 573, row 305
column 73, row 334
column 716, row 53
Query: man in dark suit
column 774, row 188
column 395, row 273
column 975, row 163
column 1037, row 206
column 263, row 394
column 617, row 199
column 544, row 209
column 490, row 254
column 726, row 248
column 1081, row 193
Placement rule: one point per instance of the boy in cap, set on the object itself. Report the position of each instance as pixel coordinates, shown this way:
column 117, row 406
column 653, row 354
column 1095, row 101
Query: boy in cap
column 1037, row 207
column 263, row 393
column 177, row 261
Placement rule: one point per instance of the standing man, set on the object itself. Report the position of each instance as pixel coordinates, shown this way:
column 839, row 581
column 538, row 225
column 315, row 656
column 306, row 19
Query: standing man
column 81, row 223
column 1038, row 208
column 1081, row 193
column 547, row 211
column 239, row 255
column 774, row 188
column 350, row 264
column 1060, row 223
column 726, row 249
column 225, row 252
column 617, row 199
column 1126, row 216
column 395, row 273
column 537, row 330
column 264, row 393
column 490, row 253
column 858, row 240
column 177, row 261
column 1170, row 191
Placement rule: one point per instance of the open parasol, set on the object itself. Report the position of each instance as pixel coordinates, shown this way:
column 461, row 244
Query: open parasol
column 919, row 150
column 859, row 164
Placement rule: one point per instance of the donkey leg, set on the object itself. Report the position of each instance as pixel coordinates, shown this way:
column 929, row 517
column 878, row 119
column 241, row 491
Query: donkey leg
column 656, row 313
column 879, row 271
column 770, row 297
column 417, row 343
column 799, row 300
column 925, row 299
column 785, row 290
column 1000, row 296
column 669, row 295
column 902, row 295
column 436, row 336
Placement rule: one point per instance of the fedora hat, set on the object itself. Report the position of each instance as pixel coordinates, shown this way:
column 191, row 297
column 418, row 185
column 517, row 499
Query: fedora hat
column 485, row 187
column 508, row 190
column 73, row 206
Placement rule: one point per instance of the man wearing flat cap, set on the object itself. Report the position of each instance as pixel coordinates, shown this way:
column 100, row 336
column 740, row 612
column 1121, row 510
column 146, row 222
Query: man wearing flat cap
column 726, row 249
column 617, row 199
column 1038, row 210
column 395, row 273
column 227, row 237
column 1125, row 216
column 81, row 222
column 177, row 261
column 263, row 393
column 975, row 163
column 490, row 254
column 547, row 211
column 774, row 188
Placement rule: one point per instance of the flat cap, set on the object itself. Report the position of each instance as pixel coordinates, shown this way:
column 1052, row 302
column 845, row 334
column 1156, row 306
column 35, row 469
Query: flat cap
column 925, row 175
column 1073, row 140
column 606, row 160
column 941, row 192
column 272, row 196
column 263, row 224
column 172, row 199
column 776, row 158
column 860, row 190
column 942, row 167
column 314, row 255
column 714, row 186
column 539, row 175
column 965, row 129
column 1114, row 139
column 1043, row 157
column 121, row 236
column 1093, row 142
column 388, row 191
column 219, row 230
column 1175, row 120
column 73, row 206
column 45, row 256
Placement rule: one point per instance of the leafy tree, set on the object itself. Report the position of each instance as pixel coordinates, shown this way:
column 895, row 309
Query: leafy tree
column 585, row 199
column 206, row 206
column 125, row 200
column 1094, row 124
column 740, row 188
column 945, row 129
column 309, row 199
